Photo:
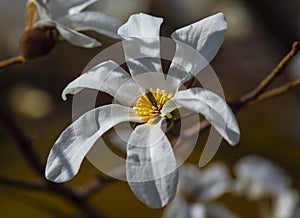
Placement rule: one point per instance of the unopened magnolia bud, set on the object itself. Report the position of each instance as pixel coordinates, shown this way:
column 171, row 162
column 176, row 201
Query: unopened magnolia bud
column 38, row 41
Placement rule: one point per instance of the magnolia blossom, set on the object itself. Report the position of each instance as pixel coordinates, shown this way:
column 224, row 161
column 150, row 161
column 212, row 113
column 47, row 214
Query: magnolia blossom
column 68, row 17
column 147, row 97
column 258, row 178
column 197, row 191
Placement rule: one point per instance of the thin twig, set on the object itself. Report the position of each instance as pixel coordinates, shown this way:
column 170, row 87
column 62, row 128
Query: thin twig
column 74, row 196
column 97, row 183
column 279, row 68
column 24, row 144
column 21, row 184
column 11, row 61
column 268, row 80
column 70, row 194
column 276, row 92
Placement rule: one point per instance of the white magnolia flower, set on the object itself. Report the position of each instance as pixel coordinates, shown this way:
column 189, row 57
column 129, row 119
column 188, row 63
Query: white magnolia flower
column 68, row 17
column 259, row 178
column 198, row 189
column 145, row 97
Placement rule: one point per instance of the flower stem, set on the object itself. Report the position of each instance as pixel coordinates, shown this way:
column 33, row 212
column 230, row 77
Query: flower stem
column 11, row 61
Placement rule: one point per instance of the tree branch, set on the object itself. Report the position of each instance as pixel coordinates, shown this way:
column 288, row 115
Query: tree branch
column 21, row 184
column 276, row 92
column 24, row 144
column 278, row 70
column 70, row 194
column 97, row 183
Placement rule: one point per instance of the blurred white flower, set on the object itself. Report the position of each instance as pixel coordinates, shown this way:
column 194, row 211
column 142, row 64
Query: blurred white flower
column 150, row 165
column 197, row 191
column 68, row 17
column 259, row 178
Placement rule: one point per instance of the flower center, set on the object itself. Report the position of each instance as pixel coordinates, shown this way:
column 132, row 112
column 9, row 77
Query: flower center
column 150, row 103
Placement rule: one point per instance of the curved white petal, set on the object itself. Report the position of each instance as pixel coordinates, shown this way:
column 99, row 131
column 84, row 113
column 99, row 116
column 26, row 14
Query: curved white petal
column 60, row 8
column 259, row 177
column 217, row 210
column 92, row 20
column 211, row 106
column 141, row 44
column 72, row 36
column 285, row 204
column 76, row 140
column 215, row 182
column 43, row 11
column 205, row 184
column 196, row 45
column 107, row 77
column 197, row 210
column 151, row 167
column 179, row 208
column 81, row 5
column 77, row 38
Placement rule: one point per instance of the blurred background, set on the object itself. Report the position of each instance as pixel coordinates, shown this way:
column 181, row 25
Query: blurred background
column 259, row 34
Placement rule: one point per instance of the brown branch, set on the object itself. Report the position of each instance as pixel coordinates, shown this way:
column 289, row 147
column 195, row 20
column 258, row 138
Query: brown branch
column 251, row 96
column 21, row 184
column 96, row 184
column 72, row 195
column 11, row 61
column 276, row 92
column 24, row 144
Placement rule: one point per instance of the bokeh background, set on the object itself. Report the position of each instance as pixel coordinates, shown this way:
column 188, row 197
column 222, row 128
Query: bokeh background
column 259, row 34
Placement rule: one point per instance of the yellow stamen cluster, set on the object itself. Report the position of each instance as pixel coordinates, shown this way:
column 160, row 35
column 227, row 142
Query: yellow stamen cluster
column 150, row 103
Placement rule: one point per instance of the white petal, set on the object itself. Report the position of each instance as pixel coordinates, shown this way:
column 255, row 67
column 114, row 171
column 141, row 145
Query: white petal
column 73, row 144
column 142, row 46
column 190, row 177
column 107, row 77
column 151, row 166
column 219, row 211
column 196, row 45
column 91, row 20
column 72, row 36
column 285, row 204
column 179, row 208
column 80, row 6
column 259, row 177
column 43, row 11
column 61, row 8
column 205, row 184
column 77, row 38
column 215, row 182
column 211, row 106
column 197, row 210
